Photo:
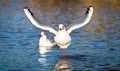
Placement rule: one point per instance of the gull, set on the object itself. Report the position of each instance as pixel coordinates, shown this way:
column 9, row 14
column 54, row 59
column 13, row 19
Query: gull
column 44, row 43
column 62, row 35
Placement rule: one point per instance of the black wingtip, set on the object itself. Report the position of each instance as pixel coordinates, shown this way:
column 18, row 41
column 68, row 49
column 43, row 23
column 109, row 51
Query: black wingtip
column 28, row 10
column 88, row 10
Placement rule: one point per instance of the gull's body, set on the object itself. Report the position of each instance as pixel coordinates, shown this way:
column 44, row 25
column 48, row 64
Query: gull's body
column 45, row 44
column 62, row 38
column 62, row 34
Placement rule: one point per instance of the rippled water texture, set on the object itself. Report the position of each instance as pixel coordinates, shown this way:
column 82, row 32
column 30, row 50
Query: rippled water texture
column 94, row 47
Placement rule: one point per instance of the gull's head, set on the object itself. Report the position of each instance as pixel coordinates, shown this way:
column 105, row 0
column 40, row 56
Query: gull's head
column 42, row 34
column 61, row 27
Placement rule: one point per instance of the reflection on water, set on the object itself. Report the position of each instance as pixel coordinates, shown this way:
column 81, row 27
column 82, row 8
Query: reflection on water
column 44, row 50
column 62, row 65
column 94, row 47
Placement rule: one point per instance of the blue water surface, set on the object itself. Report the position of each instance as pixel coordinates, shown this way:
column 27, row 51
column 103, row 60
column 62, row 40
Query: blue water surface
column 94, row 47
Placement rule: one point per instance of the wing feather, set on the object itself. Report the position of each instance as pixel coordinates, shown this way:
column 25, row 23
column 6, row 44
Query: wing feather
column 89, row 13
column 32, row 19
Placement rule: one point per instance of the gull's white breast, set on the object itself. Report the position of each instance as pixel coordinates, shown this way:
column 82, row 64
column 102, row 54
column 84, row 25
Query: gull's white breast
column 62, row 39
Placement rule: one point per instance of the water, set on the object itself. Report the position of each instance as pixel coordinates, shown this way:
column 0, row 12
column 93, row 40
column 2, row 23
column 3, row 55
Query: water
column 94, row 47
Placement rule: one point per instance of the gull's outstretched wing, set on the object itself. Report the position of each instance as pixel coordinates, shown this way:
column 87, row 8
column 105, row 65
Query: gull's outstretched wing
column 89, row 13
column 32, row 19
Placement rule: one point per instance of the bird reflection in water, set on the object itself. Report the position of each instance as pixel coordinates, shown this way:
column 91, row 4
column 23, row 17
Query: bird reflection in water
column 62, row 65
column 43, row 51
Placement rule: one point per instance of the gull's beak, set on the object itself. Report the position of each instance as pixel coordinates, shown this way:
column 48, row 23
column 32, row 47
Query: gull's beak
column 60, row 28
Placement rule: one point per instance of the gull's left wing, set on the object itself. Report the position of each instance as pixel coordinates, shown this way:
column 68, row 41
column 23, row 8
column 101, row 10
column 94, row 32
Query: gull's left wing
column 34, row 21
column 89, row 13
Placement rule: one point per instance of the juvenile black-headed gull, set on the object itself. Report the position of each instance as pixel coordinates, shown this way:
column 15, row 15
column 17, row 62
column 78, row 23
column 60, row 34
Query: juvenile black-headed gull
column 62, row 37
column 44, row 43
